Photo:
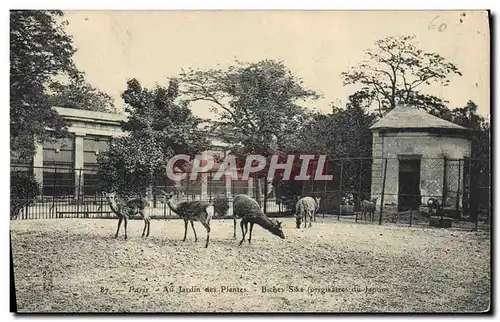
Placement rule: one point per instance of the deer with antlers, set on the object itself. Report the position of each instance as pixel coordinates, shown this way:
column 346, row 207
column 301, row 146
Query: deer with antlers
column 125, row 209
column 191, row 211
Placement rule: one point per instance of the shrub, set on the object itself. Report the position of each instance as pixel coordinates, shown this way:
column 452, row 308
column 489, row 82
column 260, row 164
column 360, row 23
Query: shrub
column 23, row 190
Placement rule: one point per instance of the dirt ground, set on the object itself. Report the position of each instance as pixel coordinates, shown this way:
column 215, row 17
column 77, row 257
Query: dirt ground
column 76, row 265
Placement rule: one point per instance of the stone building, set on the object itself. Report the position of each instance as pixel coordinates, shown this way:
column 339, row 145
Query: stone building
column 68, row 165
column 425, row 156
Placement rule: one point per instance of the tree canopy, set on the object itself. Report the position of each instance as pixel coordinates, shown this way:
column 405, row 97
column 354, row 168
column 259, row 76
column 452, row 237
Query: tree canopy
column 39, row 50
column 396, row 71
column 41, row 56
column 157, row 128
column 257, row 103
column 81, row 95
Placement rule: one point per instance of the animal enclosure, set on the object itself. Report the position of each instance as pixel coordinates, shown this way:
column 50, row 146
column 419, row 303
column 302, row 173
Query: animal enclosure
column 464, row 192
column 75, row 265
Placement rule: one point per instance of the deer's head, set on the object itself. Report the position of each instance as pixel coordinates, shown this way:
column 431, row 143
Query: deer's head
column 318, row 200
column 277, row 229
column 167, row 195
column 298, row 221
column 110, row 196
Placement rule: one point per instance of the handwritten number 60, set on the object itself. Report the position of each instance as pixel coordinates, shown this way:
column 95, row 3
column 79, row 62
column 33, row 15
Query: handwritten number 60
column 442, row 27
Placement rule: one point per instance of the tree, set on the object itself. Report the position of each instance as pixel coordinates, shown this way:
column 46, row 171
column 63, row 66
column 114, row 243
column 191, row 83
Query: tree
column 342, row 134
column 80, row 94
column 39, row 50
column 41, row 60
column 157, row 128
column 257, row 103
column 395, row 72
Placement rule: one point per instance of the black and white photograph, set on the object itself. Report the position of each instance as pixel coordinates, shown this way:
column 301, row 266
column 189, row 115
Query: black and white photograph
column 250, row 161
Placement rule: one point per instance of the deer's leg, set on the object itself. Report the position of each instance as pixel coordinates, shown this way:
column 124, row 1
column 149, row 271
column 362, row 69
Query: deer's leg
column 250, row 236
column 310, row 219
column 119, row 224
column 195, row 237
column 125, row 221
column 148, row 222
column 207, row 227
column 244, row 226
column 234, row 226
column 145, row 224
column 185, row 229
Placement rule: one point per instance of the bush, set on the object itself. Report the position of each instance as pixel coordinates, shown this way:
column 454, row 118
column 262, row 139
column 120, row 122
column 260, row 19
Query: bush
column 23, row 190
column 221, row 206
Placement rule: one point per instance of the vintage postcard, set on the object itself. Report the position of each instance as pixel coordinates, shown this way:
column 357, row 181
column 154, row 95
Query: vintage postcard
column 250, row 161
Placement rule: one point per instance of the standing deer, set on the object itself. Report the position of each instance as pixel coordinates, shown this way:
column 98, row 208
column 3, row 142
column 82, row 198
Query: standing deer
column 190, row 211
column 368, row 207
column 125, row 209
column 249, row 211
column 306, row 207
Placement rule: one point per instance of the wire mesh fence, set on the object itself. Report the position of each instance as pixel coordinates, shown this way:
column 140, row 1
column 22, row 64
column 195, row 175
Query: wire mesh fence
column 361, row 190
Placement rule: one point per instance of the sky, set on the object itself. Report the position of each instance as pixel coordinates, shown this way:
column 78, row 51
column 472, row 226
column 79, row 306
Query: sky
column 317, row 46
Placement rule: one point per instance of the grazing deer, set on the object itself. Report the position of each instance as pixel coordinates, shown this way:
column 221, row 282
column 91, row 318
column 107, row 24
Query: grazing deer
column 368, row 207
column 249, row 211
column 190, row 211
column 306, row 207
column 125, row 209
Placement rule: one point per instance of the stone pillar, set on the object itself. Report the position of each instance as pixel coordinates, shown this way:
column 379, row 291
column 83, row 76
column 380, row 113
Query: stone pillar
column 377, row 166
column 204, row 186
column 204, row 179
column 250, row 186
column 229, row 194
column 38, row 164
column 78, row 164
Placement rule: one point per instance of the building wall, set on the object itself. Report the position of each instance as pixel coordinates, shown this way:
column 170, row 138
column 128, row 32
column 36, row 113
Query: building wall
column 432, row 148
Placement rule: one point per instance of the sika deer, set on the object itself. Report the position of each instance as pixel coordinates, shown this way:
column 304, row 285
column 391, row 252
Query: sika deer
column 125, row 209
column 249, row 211
column 368, row 207
column 190, row 211
column 306, row 207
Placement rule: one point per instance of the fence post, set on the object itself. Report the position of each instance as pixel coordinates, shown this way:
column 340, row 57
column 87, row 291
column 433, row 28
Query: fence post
column 78, row 189
column 101, row 201
column 445, row 168
column 187, row 188
column 54, row 209
column 457, row 204
column 324, row 194
column 265, row 195
column 359, row 187
column 209, row 184
column 340, row 188
column 443, row 195
column 383, row 192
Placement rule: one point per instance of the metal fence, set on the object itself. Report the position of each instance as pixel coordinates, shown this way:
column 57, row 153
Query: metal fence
column 402, row 187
